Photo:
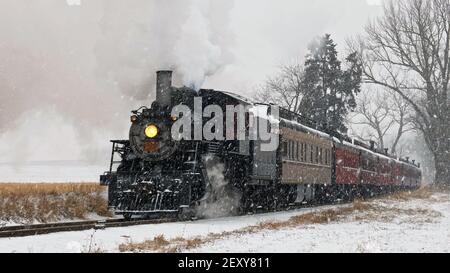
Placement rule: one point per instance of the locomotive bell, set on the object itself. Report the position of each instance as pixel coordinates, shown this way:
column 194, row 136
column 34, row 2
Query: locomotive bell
column 163, row 88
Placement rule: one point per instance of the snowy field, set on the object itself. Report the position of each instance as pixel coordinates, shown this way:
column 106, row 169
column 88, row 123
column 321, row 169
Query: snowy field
column 403, row 233
column 51, row 171
column 384, row 225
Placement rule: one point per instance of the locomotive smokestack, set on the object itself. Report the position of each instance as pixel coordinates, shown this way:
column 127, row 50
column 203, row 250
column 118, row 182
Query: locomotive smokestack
column 163, row 87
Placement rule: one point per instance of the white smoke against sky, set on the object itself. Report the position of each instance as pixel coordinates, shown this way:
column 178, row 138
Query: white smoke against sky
column 71, row 70
column 191, row 37
column 196, row 53
column 88, row 64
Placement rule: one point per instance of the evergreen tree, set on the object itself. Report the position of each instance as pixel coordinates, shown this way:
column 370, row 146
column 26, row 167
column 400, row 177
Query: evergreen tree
column 331, row 90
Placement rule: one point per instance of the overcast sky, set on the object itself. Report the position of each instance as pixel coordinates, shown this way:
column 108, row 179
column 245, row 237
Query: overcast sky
column 71, row 70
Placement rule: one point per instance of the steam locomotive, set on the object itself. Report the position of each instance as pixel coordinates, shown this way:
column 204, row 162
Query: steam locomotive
column 158, row 173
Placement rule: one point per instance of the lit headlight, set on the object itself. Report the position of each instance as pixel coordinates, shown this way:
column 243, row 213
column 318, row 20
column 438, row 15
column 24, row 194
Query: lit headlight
column 151, row 131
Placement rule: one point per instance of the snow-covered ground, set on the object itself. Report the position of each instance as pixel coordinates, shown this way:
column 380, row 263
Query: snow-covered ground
column 51, row 171
column 416, row 225
column 403, row 233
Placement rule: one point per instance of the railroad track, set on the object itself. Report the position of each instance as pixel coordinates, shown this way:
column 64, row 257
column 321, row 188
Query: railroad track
column 38, row 229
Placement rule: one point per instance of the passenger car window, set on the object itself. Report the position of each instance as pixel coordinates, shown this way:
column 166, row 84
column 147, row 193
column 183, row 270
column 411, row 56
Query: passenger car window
column 289, row 149
column 295, row 154
column 285, row 149
column 317, row 155
column 301, row 152
column 321, row 156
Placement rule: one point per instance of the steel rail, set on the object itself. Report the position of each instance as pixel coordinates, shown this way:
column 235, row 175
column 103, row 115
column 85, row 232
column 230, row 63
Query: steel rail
column 39, row 229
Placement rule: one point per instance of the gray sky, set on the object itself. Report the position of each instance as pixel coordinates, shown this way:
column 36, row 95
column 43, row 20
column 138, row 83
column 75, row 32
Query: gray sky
column 71, row 70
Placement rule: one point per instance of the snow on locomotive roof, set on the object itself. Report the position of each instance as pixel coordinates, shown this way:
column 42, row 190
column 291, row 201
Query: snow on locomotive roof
column 257, row 109
column 236, row 96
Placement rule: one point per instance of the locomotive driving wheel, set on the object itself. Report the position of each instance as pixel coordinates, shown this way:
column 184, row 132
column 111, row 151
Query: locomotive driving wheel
column 305, row 193
column 128, row 216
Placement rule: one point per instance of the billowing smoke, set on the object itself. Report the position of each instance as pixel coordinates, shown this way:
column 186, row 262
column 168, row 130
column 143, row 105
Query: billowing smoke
column 86, row 64
column 198, row 51
column 71, row 70
column 191, row 37
column 221, row 199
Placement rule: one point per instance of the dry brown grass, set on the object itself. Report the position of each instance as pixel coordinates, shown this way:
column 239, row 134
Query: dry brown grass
column 422, row 193
column 47, row 202
column 364, row 211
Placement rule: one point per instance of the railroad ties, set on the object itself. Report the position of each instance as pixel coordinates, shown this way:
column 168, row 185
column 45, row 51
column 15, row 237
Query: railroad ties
column 39, row 229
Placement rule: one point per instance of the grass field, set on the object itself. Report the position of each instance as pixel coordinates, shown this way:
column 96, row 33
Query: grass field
column 36, row 202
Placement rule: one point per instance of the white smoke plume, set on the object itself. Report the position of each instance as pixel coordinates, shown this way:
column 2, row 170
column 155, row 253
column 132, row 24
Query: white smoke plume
column 198, row 51
column 86, row 64
column 83, row 65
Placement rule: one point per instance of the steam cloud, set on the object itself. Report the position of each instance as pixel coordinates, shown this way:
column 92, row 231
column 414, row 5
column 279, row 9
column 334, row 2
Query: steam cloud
column 84, row 64
column 221, row 199
column 71, row 70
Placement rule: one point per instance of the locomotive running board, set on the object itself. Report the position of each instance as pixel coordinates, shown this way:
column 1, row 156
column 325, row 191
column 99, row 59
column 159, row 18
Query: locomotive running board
column 142, row 211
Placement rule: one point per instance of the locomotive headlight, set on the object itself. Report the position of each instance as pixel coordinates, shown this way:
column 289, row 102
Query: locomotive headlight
column 151, row 131
column 134, row 118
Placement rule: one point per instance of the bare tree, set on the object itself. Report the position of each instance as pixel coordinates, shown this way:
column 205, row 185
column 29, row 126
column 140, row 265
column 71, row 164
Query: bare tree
column 407, row 51
column 285, row 89
column 403, row 116
column 373, row 113
column 381, row 114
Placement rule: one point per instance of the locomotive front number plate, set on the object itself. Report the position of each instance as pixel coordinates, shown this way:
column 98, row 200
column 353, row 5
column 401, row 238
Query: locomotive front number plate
column 151, row 146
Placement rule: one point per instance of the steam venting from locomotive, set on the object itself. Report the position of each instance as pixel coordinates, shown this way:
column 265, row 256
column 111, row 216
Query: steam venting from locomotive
column 221, row 198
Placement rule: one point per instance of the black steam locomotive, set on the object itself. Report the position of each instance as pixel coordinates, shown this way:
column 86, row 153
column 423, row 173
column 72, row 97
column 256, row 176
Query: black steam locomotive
column 159, row 174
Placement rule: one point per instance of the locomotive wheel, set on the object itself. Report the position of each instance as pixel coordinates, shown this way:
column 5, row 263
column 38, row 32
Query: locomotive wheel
column 301, row 196
column 309, row 193
column 128, row 216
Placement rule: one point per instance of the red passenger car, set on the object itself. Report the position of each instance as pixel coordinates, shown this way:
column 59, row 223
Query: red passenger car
column 347, row 164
